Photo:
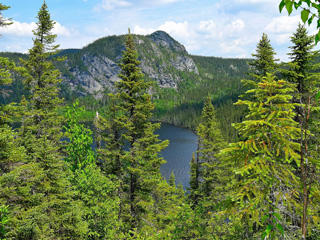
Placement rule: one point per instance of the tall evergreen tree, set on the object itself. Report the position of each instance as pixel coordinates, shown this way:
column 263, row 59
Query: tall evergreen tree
column 302, row 64
column 37, row 190
column 303, row 70
column 194, row 182
column 206, row 171
column 263, row 159
column 138, row 168
column 210, row 144
column 264, row 58
column 11, row 153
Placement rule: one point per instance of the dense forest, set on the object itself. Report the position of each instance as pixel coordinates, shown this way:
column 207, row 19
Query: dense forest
column 261, row 182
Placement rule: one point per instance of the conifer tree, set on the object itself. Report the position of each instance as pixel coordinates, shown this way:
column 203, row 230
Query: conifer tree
column 138, row 168
column 303, row 71
column 172, row 180
column 264, row 58
column 10, row 152
column 262, row 160
column 210, row 144
column 194, row 191
column 37, row 190
column 302, row 65
column 4, row 21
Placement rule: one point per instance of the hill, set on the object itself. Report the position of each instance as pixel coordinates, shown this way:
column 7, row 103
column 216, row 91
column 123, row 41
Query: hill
column 180, row 81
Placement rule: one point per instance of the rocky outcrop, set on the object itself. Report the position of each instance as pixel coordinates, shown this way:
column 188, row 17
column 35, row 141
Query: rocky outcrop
column 162, row 58
column 100, row 73
column 164, row 40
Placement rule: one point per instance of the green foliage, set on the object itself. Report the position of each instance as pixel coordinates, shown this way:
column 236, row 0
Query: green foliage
column 80, row 154
column 263, row 159
column 194, row 180
column 264, row 58
column 4, row 218
column 93, row 188
column 137, row 170
column 307, row 11
column 3, row 20
column 304, row 71
column 36, row 188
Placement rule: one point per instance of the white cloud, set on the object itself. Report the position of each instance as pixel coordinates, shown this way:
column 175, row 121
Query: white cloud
column 160, row 2
column 25, row 29
column 109, row 5
column 283, row 24
column 167, row 1
column 142, row 31
column 61, row 30
column 19, row 29
column 178, row 30
column 234, row 47
column 207, row 26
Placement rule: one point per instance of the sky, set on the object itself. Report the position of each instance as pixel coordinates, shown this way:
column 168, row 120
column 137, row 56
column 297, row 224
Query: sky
column 220, row 28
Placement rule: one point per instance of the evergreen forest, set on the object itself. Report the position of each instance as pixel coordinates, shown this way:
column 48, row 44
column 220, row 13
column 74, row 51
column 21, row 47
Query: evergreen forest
column 255, row 175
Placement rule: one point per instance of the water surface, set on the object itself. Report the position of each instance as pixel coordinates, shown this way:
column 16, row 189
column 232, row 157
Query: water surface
column 183, row 142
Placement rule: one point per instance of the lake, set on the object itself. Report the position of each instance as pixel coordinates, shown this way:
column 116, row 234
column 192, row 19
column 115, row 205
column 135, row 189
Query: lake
column 183, row 142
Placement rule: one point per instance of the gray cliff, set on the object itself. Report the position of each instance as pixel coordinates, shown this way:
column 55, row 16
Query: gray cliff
column 94, row 68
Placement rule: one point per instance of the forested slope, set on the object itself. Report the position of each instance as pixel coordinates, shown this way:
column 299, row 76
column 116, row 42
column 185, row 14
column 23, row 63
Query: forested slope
column 180, row 82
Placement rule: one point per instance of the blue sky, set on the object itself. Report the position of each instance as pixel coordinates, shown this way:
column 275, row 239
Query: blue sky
column 222, row 28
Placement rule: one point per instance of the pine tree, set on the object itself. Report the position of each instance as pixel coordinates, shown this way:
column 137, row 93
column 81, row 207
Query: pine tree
column 262, row 161
column 172, row 180
column 11, row 153
column 302, row 64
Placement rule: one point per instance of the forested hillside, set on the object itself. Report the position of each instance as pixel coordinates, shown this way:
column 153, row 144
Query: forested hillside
column 180, row 81
column 259, row 181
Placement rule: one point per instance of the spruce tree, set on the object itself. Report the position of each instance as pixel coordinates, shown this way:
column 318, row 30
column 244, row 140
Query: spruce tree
column 11, row 153
column 303, row 70
column 38, row 190
column 210, row 144
column 262, row 160
column 137, row 168
column 264, row 58
column 302, row 65
column 194, row 182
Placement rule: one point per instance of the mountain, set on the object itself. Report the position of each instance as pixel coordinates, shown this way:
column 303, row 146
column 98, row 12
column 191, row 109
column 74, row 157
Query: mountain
column 94, row 68
column 180, row 81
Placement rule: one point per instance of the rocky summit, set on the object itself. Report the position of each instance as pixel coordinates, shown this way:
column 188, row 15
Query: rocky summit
column 95, row 68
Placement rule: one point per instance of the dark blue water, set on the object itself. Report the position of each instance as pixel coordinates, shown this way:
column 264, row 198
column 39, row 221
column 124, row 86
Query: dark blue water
column 183, row 142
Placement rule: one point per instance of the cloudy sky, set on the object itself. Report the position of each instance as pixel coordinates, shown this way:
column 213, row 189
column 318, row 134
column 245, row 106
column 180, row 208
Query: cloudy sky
column 222, row 28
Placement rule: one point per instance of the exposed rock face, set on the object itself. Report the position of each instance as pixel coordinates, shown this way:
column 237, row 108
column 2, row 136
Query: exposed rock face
column 101, row 73
column 184, row 63
column 161, row 59
column 162, row 39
